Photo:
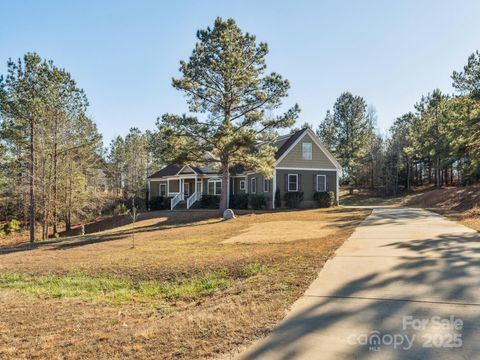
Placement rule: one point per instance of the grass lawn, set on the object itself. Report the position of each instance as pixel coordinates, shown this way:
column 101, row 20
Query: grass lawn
column 194, row 286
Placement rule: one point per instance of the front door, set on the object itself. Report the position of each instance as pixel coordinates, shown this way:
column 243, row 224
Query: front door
column 186, row 189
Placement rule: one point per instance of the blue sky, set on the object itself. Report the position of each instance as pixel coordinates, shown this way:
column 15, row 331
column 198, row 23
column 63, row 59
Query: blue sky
column 124, row 53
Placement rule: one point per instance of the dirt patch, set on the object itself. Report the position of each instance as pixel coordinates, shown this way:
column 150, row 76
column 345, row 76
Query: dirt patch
column 281, row 231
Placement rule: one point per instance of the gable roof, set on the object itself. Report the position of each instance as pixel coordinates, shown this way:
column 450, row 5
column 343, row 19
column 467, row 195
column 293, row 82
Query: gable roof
column 296, row 137
column 168, row 170
column 286, row 142
column 290, row 141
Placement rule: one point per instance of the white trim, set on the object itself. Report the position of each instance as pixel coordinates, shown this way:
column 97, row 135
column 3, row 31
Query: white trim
column 324, row 183
column 288, row 183
column 244, row 182
column 160, row 189
column 319, row 144
column 338, row 187
column 184, row 166
column 304, row 169
column 251, row 185
column 266, row 181
column 214, row 186
column 304, row 153
column 186, row 183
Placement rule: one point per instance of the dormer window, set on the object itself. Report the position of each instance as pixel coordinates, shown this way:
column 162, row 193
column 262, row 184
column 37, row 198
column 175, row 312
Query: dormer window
column 306, row 151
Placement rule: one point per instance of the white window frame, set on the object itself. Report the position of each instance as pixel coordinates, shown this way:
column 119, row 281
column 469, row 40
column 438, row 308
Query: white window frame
column 288, row 182
column 305, row 153
column 160, row 190
column 214, row 181
column 324, row 183
column 253, row 180
column 242, row 184
column 266, row 185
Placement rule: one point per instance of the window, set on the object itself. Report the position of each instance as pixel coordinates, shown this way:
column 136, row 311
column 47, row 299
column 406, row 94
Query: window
column 321, row 183
column 162, row 189
column 215, row 187
column 242, row 185
column 253, row 187
column 292, row 182
column 307, row 151
column 266, row 185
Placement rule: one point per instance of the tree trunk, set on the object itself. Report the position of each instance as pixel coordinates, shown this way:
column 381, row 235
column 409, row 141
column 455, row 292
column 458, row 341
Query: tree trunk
column 54, row 210
column 438, row 174
column 408, row 175
column 32, row 181
column 225, row 189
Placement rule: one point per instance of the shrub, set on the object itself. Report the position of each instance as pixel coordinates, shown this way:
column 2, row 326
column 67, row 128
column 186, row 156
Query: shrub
column 278, row 199
column 210, row 202
column 160, row 203
column 257, row 202
column 293, row 199
column 120, row 209
column 13, row 226
column 239, row 201
column 324, row 199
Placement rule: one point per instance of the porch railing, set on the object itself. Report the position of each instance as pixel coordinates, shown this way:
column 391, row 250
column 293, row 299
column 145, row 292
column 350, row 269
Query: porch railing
column 175, row 200
column 197, row 195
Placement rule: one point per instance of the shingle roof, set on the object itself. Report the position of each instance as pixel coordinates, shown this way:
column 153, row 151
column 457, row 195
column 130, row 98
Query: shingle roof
column 173, row 169
column 168, row 170
column 289, row 143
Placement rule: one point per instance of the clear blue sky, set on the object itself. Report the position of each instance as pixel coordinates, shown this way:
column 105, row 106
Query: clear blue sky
column 124, row 53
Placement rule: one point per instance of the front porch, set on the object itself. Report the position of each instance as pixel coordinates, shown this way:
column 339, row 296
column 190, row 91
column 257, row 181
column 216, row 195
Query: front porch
column 184, row 189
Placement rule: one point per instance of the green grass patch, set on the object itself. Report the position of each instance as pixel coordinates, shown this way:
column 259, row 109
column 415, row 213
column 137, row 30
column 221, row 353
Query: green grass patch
column 252, row 269
column 117, row 290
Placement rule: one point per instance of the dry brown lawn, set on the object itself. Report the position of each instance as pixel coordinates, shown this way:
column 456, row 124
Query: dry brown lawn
column 280, row 254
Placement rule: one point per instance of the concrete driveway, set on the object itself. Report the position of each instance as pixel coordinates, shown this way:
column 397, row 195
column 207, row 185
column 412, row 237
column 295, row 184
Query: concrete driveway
column 405, row 285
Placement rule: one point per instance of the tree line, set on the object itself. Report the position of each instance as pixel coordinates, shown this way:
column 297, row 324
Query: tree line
column 56, row 172
column 437, row 143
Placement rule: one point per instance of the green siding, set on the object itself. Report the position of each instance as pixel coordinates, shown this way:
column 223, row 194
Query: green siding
column 306, row 182
column 294, row 157
column 260, row 189
column 154, row 188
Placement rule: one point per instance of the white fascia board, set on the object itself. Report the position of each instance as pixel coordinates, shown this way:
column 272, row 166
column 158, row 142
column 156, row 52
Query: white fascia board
column 317, row 141
column 304, row 169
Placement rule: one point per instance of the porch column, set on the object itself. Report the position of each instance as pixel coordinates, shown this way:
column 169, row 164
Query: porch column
column 181, row 189
column 338, row 187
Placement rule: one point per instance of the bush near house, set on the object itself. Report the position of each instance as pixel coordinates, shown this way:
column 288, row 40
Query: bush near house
column 239, row 201
column 210, row 202
column 324, row 199
column 257, row 202
column 160, row 203
column 293, row 199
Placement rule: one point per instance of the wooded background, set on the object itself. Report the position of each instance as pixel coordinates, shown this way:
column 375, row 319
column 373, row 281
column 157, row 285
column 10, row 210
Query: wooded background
column 55, row 170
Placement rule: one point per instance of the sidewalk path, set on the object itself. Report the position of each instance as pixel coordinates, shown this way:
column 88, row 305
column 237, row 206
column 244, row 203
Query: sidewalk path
column 388, row 294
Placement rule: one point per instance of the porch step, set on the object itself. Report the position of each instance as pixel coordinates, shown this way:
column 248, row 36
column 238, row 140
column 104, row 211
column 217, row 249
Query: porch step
column 182, row 205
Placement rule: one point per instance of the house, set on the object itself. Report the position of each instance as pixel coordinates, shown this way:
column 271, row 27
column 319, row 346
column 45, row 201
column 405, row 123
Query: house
column 302, row 164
